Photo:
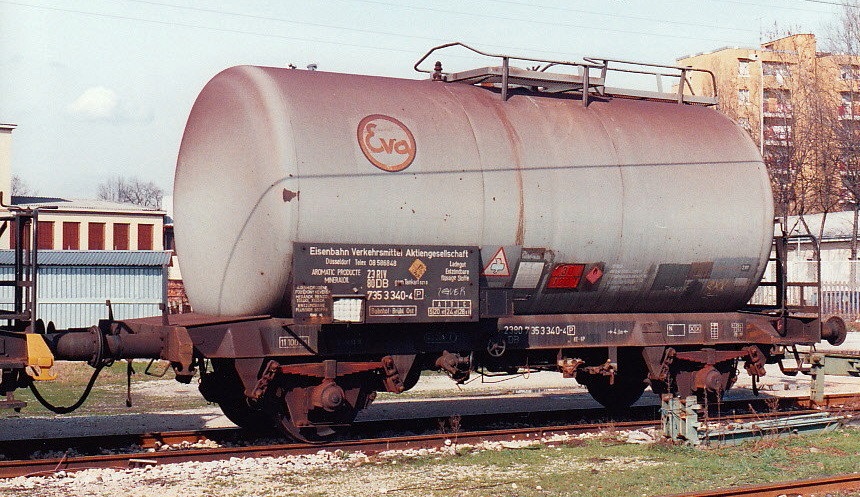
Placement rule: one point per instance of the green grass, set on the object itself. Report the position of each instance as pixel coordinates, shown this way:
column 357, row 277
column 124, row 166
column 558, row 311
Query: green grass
column 605, row 468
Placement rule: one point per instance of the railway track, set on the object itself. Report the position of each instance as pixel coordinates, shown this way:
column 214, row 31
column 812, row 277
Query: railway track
column 93, row 445
column 460, row 430
column 816, row 486
column 14, row 449
column 10, row 469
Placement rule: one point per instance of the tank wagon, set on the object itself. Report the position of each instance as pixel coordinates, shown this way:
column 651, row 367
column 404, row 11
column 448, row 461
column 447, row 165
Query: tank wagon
column 338, row 234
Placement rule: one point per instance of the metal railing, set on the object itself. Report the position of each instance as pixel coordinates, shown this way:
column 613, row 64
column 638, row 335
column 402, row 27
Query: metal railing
column 839, row 292
column 591, row 77
column 783, row 291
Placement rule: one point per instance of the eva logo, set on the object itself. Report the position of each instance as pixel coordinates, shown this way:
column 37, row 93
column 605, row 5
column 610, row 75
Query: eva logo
column 386, row 142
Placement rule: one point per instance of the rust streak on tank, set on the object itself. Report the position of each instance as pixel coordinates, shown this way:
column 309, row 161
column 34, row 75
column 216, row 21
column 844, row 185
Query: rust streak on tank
column 516, row 155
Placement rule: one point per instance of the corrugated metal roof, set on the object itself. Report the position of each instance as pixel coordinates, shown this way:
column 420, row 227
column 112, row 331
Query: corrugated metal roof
column 81, row 204
column 139, row 258
column 838, row 225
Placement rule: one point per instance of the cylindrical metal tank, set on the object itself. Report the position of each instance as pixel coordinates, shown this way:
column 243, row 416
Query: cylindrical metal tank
column 673, row 200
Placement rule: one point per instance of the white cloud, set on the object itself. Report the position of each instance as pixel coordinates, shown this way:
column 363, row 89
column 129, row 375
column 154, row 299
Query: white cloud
column 103, row 104
column 95, row 103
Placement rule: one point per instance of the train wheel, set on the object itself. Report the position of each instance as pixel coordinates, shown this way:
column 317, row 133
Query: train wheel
column 308, row 434
column 413, row 376
column 621, row 394
column 317, row 413
column 224, row 387
column 627, row 385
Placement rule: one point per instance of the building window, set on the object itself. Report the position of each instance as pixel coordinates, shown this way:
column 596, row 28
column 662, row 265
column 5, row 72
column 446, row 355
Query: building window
column 71, row 236
column 169, row 240
column 120, row 236
column 96, row 238
column 45, row 236
column 777, row 103
column 849, row 72
column 144, row 237
column 779, row 135
column 780, row 70
column 846, row 107
column 743, row 68
column 13, row 235
column 743, row 97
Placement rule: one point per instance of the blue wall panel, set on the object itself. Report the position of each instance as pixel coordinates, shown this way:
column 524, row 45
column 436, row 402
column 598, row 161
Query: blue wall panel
column 74, row 296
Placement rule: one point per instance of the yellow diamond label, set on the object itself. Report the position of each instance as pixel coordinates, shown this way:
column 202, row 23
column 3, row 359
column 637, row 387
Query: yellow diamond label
column 418, row 269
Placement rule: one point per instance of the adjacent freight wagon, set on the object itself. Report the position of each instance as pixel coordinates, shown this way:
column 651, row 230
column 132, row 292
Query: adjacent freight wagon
column 338, row 234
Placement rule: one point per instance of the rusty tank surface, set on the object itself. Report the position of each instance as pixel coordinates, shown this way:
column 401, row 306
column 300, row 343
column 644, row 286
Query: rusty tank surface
column 668, row 204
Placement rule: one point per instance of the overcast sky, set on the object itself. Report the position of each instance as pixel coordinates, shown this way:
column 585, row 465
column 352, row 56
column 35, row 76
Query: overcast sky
column 100, row 88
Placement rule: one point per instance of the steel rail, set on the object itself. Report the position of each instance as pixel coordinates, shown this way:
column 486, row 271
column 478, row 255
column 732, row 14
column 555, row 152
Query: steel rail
column 13, row 468
column 9, row 469
column 15, row 449
column 19, row 449
column 798, row 487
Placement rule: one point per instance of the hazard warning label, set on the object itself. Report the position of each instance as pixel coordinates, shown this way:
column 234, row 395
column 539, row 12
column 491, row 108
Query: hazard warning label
column 498, row 265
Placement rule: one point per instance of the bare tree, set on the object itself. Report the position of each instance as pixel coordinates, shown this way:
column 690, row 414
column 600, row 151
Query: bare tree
column 827, row 187
column 803, row 131
column 132, row 191
column 20, row 187
column 850, row 175
column 788, row 131
column 845, row 39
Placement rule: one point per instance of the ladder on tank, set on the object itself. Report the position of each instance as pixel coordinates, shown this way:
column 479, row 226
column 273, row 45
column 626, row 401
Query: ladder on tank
column 588, row 79
column 791, row 297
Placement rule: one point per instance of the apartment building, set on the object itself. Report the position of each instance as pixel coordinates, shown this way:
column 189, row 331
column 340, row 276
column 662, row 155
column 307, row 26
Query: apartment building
column 760, row 88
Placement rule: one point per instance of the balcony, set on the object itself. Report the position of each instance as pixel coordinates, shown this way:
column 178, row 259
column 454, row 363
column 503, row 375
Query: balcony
column 780, row 113
column 776, row 107
column 777, row 136
column 847, row 112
